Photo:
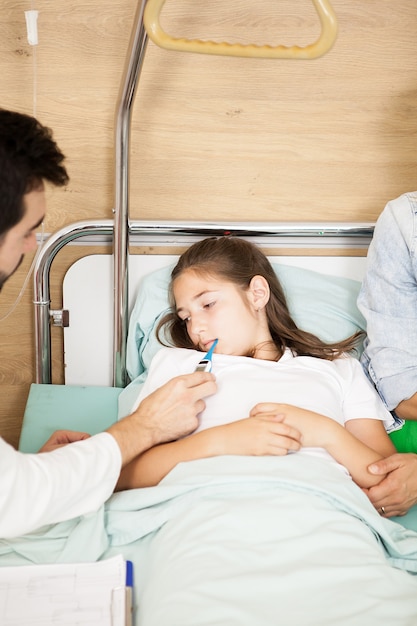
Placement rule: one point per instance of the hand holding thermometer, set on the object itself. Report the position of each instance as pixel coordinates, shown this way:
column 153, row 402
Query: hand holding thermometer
column 205, row 364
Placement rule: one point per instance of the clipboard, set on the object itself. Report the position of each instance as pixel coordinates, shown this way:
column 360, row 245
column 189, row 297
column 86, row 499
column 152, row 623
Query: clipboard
column 99, row 593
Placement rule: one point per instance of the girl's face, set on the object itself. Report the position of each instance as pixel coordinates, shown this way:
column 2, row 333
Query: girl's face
column 213, row 308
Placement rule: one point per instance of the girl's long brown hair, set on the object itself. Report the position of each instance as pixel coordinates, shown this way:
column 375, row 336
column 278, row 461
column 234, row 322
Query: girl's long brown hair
column 238, row 261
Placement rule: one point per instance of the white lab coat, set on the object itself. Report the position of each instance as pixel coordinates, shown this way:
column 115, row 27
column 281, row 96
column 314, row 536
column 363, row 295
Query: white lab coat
column 39, row 489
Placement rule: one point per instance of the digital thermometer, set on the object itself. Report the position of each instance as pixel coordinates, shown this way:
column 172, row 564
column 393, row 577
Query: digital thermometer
column 206, row 364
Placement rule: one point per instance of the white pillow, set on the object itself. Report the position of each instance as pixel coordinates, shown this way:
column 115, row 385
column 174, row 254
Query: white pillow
column 322, row 304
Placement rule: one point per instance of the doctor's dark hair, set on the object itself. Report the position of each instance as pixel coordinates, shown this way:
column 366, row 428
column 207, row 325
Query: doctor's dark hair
column 28, row 156
column 238, row 261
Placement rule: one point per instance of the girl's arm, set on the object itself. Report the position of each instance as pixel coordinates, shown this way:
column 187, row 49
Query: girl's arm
column 356, row 446
column 251, row 436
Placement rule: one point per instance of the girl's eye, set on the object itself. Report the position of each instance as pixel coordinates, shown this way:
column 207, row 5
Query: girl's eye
column 209, row 305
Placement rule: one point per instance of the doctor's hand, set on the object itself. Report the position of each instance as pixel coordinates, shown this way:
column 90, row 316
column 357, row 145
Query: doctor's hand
column 171, row 411
column 165, row 415
column 396, row 493
column 61, row 438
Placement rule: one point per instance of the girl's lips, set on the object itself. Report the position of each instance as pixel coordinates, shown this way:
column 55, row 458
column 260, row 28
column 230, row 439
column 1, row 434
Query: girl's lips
column 205, row 346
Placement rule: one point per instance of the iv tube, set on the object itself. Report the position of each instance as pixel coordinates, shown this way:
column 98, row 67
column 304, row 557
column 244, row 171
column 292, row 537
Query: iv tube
column 32, row 37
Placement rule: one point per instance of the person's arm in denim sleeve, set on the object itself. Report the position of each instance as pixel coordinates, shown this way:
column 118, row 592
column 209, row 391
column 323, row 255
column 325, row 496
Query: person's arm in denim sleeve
column 388, row 301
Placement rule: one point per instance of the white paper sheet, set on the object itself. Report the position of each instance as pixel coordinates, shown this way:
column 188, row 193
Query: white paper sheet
column 93, row 594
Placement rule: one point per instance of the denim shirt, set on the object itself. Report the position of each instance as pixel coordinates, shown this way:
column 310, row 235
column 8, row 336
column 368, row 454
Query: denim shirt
column 388, row 301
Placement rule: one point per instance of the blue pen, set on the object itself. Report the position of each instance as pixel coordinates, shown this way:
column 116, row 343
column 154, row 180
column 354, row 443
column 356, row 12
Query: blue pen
column 129, row 593
column 205, row 364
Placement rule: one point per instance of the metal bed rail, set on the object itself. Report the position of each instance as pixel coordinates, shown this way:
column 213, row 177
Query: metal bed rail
column 42, row 291
column 273, row 234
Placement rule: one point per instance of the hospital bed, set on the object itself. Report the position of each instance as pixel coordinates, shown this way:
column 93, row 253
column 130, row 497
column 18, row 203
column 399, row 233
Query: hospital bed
column 111, row 304
column 176, row 532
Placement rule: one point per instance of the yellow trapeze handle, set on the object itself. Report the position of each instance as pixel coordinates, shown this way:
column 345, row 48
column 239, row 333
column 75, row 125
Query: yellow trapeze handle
column 321, row 46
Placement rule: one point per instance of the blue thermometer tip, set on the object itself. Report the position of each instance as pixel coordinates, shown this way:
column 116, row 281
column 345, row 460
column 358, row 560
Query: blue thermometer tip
column 210, row 352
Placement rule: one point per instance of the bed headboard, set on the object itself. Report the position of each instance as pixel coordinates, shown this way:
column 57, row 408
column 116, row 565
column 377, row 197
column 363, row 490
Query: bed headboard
column 88, row 291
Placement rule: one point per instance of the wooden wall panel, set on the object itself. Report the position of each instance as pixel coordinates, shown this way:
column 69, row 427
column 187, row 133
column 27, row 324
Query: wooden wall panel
column 227, row 138
column 331, row 138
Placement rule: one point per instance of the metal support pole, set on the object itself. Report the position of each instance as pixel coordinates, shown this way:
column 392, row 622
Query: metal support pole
column 134, row 62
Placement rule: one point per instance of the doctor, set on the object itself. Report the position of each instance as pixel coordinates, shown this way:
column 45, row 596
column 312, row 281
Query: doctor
column 64, row 481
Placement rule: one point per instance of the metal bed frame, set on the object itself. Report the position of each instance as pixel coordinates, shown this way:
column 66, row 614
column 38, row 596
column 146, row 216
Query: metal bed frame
column 122, row 231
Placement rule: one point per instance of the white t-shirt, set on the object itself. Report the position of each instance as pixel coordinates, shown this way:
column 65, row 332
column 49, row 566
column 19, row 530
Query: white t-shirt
column 39, row 489
column 337, row 389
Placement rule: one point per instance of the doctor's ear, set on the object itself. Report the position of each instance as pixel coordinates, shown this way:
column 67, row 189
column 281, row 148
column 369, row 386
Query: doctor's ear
column 259, row 292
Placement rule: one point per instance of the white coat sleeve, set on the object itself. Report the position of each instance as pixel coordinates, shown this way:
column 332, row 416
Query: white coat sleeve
column 39, row 489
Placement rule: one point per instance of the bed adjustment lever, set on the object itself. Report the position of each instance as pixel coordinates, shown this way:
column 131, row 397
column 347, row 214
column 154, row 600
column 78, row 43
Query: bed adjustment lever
column 59, row 317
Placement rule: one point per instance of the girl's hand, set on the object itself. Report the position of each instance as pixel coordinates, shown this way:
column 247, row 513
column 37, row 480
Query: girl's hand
column 347, row 448
column 312, row 426
column 258, row 436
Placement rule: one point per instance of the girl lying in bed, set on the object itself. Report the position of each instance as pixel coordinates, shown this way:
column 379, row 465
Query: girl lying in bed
column 280, row 389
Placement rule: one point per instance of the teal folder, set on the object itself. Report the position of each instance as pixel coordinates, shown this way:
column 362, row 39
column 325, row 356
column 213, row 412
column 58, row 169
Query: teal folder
column 54, row 407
